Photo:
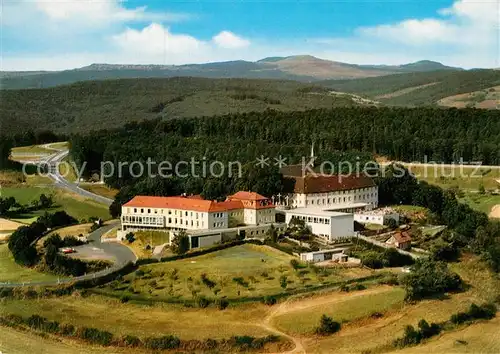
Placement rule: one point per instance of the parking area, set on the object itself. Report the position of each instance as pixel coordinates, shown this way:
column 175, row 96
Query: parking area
column 91, row 253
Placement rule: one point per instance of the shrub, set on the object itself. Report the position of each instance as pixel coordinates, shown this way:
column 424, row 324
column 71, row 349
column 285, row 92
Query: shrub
column 283, row 281
column 124, row 298
column 294, row 263
column 139, row 272
column 209, row 283
column 94, row 335
column 67, row 330
column 358, row 287
column 131, row 341
column 269, row 300
column 429, row 277
column 327, row 326
column 222, row 304
column 202, row 302
column 162, row 343
column 240, row 281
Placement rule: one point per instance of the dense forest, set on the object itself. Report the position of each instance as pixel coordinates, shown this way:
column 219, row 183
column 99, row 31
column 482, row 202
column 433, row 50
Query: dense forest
column 91, row 105
column 341, row 134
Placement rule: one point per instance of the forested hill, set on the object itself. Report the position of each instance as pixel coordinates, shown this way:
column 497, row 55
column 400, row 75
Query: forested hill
column 419, row 88
column 304, row 68
column 94, row 105
column 443, row 135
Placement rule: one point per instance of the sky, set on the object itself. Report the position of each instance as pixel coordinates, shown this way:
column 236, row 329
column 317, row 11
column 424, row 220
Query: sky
column 67, row 34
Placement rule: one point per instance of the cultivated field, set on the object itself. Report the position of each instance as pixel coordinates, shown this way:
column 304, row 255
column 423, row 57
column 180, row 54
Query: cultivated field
column 247, row 271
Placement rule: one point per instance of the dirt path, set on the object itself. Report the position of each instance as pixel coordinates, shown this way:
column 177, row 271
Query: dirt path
column 495, row 212
column 298, row 304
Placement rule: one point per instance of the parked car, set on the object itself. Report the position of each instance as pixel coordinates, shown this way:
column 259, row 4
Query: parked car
column 68, row 250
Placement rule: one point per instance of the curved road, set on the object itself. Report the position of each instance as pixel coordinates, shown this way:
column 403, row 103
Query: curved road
column 122, row 254
column 59, row 181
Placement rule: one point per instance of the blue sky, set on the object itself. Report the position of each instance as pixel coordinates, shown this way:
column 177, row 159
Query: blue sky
column 63, row 34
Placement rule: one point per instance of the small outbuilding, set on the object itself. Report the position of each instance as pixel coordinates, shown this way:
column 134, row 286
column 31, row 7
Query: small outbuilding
column 400, row 239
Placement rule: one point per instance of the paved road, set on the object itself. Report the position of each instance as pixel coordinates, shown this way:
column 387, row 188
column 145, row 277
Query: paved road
column 60, row 182
column 122, row 254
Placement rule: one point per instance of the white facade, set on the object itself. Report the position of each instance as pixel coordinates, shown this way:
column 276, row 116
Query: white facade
column 368, row 195
column 327, row 224
column 378, row 216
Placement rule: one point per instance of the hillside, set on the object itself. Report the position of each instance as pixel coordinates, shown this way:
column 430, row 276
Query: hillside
column 93, row 105
column 416, row 89
column 303, row 68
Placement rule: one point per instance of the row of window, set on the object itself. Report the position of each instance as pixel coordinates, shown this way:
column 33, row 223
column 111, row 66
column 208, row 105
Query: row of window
column 314, row 220
column 175, row 212
column 327, row 201
column 150, row 220
column 218, row 224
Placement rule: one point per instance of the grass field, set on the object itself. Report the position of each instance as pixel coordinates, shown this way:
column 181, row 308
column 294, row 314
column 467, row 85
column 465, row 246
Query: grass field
column 77, row 206
column 145, row 238
column 33, row 149
column 18, row 342
column 478, row 338
column 118, row 318
column 346, row 307
column 238, row 272
column 470, row 178
column 67, row 170
column 100, row 189
column 481, row 202
column 10, row 271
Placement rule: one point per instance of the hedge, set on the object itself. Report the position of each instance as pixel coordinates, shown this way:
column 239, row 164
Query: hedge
column 105, row 338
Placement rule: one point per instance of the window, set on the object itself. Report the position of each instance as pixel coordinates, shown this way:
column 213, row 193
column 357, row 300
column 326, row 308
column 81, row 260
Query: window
column 186, row 213
column 135, row 210
column 169, row 220
column 142, row 211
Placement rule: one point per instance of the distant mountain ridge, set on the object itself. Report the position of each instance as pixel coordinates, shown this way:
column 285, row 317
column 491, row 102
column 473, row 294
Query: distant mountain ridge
column 304, row 68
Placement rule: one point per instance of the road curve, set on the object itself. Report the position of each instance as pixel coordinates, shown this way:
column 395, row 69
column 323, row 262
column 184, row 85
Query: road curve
column 121, row 253
column 60, row 182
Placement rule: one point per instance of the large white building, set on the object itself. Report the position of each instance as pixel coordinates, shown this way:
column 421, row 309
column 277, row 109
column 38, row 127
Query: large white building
column 330, row 225
column 328, row 204
column 206, row 222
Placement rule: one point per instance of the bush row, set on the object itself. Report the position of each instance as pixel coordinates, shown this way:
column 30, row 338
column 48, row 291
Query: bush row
column 105, row 338
column 63, row 289
column 414, row 336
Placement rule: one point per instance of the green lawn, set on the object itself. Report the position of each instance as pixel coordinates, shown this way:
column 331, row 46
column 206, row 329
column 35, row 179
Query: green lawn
column 34, row 149
column 238, row 272
column 347, row 307
column 10, row 271
column 462, row 177
column 481, row 202
column 76, row 206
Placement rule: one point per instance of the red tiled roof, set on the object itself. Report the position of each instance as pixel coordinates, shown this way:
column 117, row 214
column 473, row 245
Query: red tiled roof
column 197, row 203
column 327, row 183
column 247, row 196
column 402, row 237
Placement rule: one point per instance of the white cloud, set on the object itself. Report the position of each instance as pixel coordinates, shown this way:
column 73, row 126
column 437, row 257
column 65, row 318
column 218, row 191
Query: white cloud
column 465, row 23
column 227, row 39
column 465, row 34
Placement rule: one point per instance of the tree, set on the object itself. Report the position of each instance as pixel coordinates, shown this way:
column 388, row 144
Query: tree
column 45, row 202
column 283, row 281
column 180, row 243
column 481, row 189
column 327, row 326
column 428, row 277
column 272, row 234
